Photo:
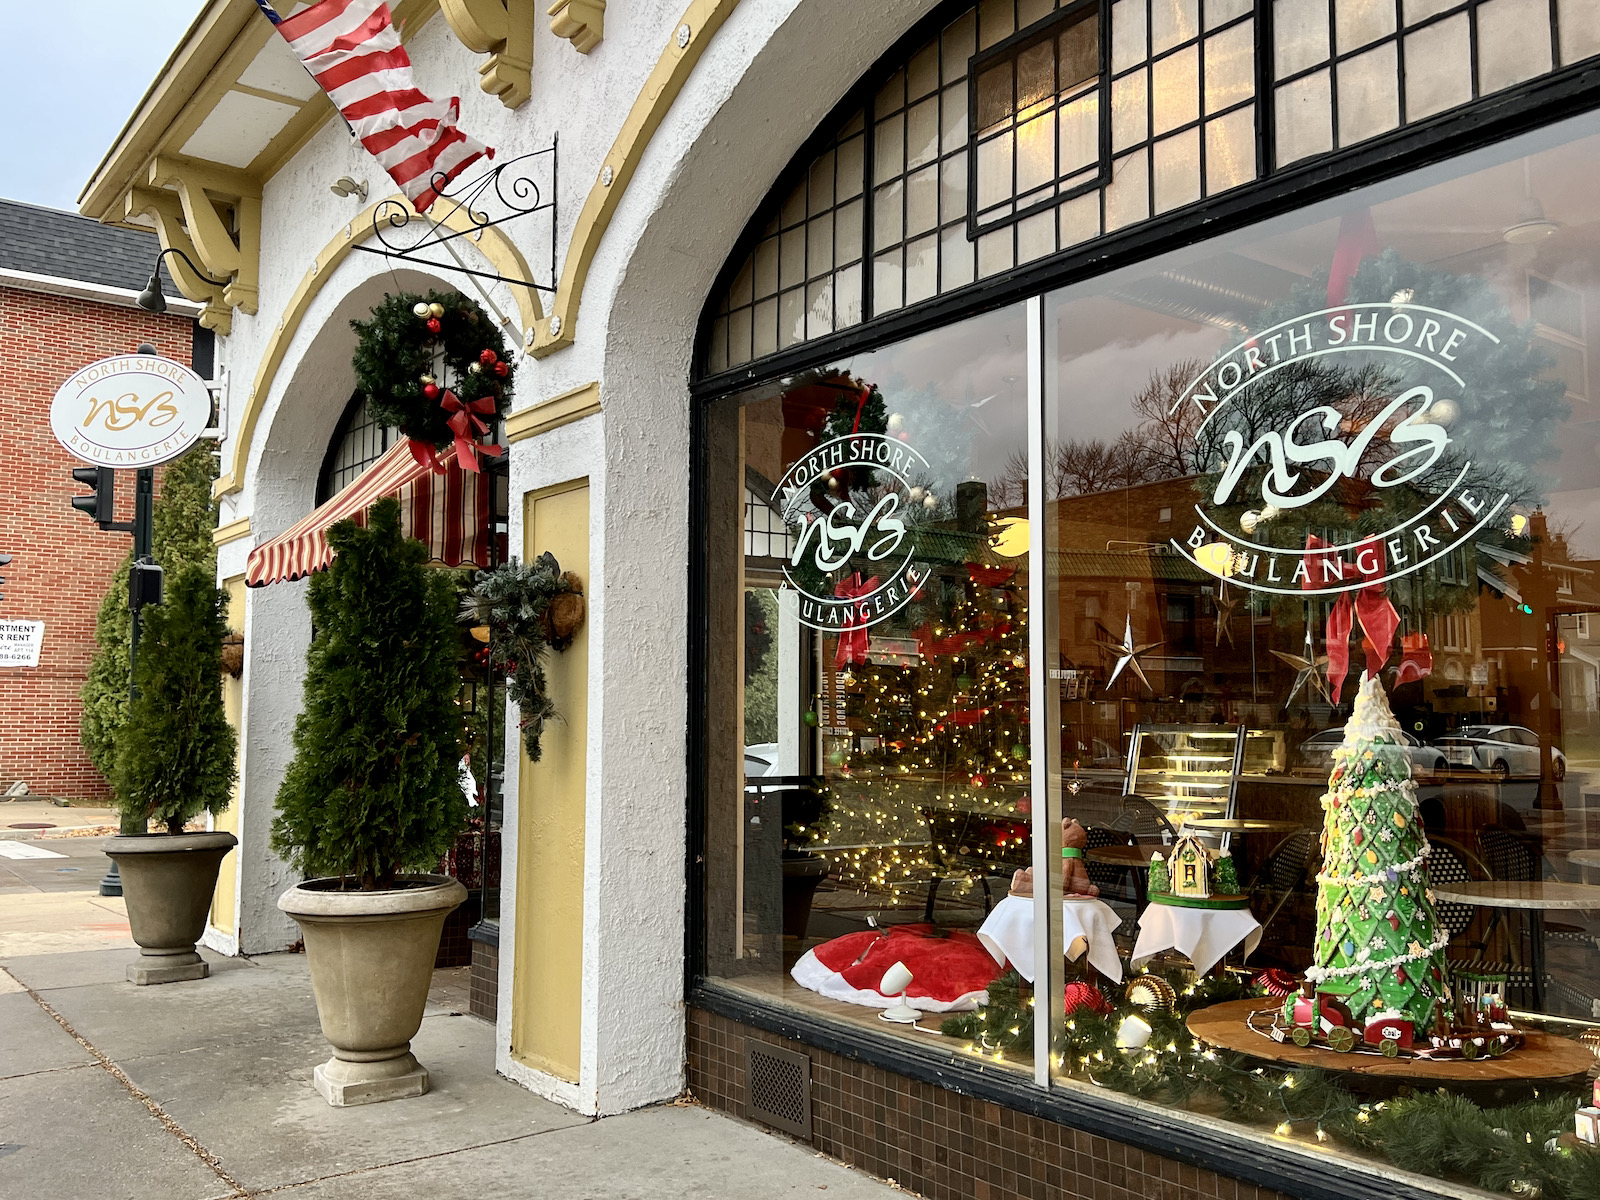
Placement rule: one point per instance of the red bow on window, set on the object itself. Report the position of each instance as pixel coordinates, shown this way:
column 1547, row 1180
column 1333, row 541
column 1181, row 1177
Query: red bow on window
column 1371, row 606
column 853, row 637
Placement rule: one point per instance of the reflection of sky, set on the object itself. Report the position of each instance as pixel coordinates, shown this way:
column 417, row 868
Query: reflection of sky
column 963, row 390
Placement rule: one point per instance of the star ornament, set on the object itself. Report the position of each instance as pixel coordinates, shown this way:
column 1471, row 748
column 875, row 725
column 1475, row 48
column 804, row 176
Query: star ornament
column 1312, row 675
column 1227, row 604
column 1128, row 655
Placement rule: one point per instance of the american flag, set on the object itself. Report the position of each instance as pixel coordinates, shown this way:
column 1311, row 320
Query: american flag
column 353, row 51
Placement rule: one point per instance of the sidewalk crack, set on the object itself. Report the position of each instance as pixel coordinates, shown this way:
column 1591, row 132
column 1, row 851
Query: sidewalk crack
column 134, row 1090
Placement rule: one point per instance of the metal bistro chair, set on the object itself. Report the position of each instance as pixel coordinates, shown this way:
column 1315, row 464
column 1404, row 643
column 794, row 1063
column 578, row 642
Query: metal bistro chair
column 1114, row 882
column 1144, row 820
column 1509, row 854
column 1282, row 872
column 1453, row 863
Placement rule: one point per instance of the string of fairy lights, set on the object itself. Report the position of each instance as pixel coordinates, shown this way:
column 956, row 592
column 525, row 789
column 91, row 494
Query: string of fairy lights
column 935, row 767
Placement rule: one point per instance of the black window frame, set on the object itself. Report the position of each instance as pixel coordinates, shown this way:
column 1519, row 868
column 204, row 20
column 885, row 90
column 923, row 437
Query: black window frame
column 1013, row 48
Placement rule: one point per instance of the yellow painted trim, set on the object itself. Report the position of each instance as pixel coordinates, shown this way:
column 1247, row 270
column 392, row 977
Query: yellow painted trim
column 491, row 243
column 231, row 532
column 224, row 912
column 702, row 19
column 547, row 969
column 553, row 413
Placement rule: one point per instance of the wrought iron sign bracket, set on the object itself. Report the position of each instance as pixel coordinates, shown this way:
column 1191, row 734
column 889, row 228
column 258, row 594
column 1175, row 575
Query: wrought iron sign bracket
column 520, row 187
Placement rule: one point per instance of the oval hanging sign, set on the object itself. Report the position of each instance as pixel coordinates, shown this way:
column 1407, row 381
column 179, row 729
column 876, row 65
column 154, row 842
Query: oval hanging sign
column 132, row 410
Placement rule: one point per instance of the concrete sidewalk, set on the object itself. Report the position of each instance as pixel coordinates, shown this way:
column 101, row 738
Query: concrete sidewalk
column 201, row 1090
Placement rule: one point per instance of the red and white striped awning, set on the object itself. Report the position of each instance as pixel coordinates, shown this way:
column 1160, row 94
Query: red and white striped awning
column 449, row 512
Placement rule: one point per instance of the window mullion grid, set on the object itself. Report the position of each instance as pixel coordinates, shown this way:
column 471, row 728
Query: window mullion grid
column 1200, row 88
column 1333, row 74
column 1149, row 148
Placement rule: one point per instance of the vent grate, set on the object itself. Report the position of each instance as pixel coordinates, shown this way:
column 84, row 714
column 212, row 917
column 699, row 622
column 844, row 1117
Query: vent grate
column 778, row 1088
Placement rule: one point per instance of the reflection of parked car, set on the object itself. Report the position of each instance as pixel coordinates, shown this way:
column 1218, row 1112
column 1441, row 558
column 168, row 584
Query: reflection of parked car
column 1501, row 750
column 760, row 760
column 1316, row 752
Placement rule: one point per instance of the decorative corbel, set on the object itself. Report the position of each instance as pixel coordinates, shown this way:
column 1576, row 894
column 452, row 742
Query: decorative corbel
column 167, row 211
column 581, row 22
column 231, row 253
column 502, row 29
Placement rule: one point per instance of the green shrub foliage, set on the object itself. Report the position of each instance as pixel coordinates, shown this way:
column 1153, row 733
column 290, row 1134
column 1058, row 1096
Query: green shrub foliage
column 181, row 527
column 175, row 754
column 373, row 789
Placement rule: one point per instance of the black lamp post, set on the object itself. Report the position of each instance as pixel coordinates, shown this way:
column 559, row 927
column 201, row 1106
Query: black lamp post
column 151, row 299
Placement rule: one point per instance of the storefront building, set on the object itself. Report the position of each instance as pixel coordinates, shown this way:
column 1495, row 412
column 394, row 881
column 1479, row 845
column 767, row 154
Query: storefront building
column 965, row 418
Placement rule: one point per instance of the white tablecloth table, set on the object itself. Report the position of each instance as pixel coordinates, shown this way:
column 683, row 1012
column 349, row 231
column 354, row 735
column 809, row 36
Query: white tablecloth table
column 1202, row 935
column 1086, row 927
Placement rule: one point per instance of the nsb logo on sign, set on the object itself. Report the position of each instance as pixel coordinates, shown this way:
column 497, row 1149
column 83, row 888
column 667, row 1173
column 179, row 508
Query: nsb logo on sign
column 134, row 410
column 862, row 537
column 1353, row 407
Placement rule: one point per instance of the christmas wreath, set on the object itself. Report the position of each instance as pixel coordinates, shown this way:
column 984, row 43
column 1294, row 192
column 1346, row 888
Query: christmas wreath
column 528, row 608
column 435, row 368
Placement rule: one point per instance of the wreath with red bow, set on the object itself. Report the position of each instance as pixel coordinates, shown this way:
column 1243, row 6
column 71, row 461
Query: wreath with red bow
column 434, row 367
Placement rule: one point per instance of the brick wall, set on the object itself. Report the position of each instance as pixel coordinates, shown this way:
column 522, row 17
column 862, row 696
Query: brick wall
column 941, row 1144
column 484, row 983
column 62, row 563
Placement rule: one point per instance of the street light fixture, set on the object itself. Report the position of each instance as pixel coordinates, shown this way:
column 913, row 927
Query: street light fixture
column 151, row 299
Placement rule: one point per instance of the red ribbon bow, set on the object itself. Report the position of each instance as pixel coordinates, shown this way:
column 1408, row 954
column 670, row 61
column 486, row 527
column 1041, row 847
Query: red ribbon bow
column 464, row 422
column 853, row 638
column 1371, row 606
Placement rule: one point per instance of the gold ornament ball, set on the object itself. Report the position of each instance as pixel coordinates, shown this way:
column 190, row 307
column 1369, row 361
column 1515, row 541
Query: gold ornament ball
column 1151, row 992
column 436, row 309
column 896, row 422
column 429, row 379
column 476, row 368
column 421, row 309
column 930, row 501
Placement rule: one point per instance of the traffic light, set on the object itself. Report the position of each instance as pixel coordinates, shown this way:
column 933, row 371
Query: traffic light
column 101, row 506
column 5, row 560
column 145, row 580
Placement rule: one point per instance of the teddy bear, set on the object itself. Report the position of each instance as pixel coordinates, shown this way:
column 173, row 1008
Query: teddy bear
column 1074, row 870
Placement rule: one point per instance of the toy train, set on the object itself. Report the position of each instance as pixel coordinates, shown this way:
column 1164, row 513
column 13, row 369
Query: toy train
column 1319, row 1018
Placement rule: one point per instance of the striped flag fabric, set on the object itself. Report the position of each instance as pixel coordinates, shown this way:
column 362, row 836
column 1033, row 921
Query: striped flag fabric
column 353, row 51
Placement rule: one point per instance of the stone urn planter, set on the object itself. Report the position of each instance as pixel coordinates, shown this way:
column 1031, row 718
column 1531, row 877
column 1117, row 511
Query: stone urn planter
column 371, row 956
column 168, row 880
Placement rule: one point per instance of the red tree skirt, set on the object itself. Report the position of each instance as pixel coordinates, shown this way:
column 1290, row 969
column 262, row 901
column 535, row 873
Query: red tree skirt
column 948, row 974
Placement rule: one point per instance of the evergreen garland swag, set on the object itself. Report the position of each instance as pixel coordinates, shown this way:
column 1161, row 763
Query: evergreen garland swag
column 434, row 367
column 1521, row 1149
column 528, row 608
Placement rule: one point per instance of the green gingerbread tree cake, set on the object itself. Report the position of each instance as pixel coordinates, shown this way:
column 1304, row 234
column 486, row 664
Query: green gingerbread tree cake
column 1379, row 948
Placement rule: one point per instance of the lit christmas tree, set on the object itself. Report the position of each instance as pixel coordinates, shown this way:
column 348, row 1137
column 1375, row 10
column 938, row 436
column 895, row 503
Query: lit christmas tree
column 1379, row 947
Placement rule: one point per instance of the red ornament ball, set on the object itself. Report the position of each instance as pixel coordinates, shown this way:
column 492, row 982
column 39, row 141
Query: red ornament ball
column 435, row 325
column 1085, row 995
column 488, row 358
column 431, row 390
column 502, row 369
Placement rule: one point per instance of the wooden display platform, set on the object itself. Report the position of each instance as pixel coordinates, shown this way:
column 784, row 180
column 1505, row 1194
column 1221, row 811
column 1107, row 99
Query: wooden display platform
column 1541, row 1055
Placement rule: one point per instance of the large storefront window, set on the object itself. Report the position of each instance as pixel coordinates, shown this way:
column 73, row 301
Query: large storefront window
column 1266, row 576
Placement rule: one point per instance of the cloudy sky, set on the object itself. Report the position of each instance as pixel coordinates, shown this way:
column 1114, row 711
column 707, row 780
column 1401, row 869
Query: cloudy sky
column 69, row 121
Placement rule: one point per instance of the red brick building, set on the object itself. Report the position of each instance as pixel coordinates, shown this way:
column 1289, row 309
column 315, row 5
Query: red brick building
column 67, row 289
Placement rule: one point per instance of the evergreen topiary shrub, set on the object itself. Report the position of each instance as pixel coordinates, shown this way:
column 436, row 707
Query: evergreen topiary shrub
column 181, row 524
column 374, row 786
column 175, row 754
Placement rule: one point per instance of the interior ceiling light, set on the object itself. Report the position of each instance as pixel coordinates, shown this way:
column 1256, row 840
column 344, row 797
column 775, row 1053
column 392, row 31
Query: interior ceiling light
column 1531, row 224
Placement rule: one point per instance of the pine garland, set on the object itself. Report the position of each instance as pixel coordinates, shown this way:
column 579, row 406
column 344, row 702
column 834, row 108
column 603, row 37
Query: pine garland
column 1516, row 1149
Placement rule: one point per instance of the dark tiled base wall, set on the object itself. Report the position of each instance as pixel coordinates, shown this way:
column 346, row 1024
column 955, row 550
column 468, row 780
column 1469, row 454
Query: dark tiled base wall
column 944, row 1145
column 484, row 982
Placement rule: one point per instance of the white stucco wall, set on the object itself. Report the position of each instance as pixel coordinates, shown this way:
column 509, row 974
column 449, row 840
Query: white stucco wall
column 766, row 79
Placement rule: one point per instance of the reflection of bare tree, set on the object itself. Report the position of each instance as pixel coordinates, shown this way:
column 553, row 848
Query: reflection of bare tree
column 1159, row 446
